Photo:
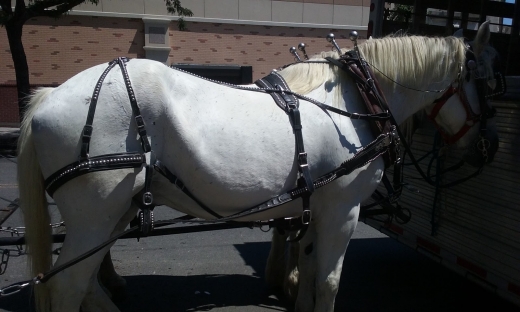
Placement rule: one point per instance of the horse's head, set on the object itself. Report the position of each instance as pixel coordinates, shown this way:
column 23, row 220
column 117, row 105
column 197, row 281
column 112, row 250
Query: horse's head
column 463, row 114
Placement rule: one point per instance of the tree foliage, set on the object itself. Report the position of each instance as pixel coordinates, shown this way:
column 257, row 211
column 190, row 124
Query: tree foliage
column 401, row 13
column 13, row 19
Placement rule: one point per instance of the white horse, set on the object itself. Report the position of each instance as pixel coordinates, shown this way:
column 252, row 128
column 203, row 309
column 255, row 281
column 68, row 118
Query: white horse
column 232, row 149
column 285, row 258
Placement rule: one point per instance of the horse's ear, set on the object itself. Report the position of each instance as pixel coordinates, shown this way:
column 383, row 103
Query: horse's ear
column 459, row 33
column 482, row 38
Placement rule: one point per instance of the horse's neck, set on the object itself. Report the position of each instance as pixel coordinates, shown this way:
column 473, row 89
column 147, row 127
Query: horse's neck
column 417, row 64
column 404, row 102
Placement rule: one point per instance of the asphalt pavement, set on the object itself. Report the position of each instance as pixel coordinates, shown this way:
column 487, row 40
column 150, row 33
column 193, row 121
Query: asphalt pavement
column 223, row 271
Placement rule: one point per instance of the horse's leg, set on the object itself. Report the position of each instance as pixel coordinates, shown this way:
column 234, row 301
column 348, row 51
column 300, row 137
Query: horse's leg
column 334, row 230
column 91, row 211
column 107, row 275
column 282, row 269
column 275, row 267
column 306, row 271
column 71, row 286
column 291, row 278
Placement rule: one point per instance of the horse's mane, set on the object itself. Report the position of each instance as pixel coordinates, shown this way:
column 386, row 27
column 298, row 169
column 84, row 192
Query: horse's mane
column 415, row 61
column 410, row 60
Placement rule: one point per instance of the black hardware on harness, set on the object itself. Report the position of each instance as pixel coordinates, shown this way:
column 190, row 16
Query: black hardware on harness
column 146, row 222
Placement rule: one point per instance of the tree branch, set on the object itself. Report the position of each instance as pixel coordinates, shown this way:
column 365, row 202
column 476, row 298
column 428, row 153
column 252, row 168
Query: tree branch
column 43, row 8
column 174, row 6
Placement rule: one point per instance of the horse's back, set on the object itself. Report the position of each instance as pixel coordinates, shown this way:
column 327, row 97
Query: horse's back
column 217, row 139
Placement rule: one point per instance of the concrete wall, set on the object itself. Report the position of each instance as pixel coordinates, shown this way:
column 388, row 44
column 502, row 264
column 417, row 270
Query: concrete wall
column 330, row 12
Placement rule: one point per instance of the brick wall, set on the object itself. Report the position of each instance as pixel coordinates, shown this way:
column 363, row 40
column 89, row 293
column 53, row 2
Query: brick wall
column 58, row 49
column 9, row 105
column 263, row 47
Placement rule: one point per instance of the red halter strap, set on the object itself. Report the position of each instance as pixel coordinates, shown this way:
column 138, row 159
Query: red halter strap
column 471, row 117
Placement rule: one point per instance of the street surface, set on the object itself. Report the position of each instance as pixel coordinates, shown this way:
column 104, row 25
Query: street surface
column 223, row 271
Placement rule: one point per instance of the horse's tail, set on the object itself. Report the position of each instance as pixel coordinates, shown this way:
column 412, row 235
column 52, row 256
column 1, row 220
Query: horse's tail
column 33, row 201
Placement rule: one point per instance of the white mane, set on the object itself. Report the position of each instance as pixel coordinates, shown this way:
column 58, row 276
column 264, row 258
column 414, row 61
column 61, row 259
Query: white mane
column 416, row 61
column 410, row 60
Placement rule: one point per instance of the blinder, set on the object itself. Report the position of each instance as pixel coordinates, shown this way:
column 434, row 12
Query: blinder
column 495, row 87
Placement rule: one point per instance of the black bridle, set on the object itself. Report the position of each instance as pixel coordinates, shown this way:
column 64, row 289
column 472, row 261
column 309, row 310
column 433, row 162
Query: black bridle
column 483, row 144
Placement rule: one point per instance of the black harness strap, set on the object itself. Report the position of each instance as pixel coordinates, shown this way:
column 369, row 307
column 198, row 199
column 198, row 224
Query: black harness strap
column 372, row 96
column 135, row 108
column 281, row 99
column 364, row 156
column 87, row 164
column 146, row 222
column 291, row 106
column 376, row 103
column 93, row 164
column 175, row 181
column 87, row 129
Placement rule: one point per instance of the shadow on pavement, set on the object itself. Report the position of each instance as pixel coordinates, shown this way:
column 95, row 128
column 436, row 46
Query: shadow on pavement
column 19, row 302
column 384, row 275
column 379, row 275
column 196, row 293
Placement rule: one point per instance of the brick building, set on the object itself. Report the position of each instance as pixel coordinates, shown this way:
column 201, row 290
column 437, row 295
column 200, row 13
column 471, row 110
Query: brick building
column 255, row 33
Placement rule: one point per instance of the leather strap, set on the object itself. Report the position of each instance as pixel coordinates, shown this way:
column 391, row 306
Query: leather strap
column 266, row 83
column 87, row 164
column 87, row 129
column 371, row 94
column 93, row 164
column 291, row 104
column 135, row 108
column 175, row 180
column 147, row 196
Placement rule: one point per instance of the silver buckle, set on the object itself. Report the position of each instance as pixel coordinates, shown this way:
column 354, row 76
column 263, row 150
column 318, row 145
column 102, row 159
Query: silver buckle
column 302, row 159
column 306, row 217
column 147, row 198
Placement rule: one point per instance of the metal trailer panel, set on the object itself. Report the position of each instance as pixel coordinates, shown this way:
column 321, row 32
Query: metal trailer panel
column 475, row 227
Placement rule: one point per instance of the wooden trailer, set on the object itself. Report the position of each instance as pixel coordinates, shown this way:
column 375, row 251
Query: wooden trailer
column 472, row 228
